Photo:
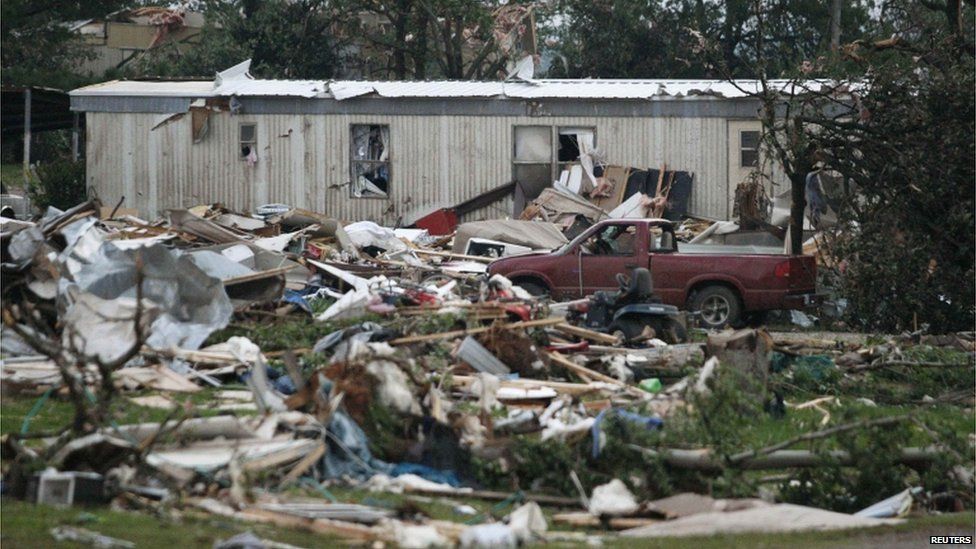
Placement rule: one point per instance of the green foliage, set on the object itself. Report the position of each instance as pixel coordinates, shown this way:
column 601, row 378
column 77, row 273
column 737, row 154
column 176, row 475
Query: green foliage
column 38, row 48
column 61, row 183
column 876, row 472
column 634, row 39
column 283, row 39
column 905, row 149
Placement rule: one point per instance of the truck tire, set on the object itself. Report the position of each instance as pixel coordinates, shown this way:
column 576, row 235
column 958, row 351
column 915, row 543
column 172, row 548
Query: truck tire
column 718, row 306
column 533, row 288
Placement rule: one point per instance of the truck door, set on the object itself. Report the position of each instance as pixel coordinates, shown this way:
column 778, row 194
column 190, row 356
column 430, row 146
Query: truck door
column 665, row 267
column 612, row 249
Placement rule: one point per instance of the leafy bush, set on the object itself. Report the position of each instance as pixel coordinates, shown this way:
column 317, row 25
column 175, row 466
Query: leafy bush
column 60, row 183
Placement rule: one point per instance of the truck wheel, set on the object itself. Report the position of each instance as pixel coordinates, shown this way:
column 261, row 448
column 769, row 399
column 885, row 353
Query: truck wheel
column 533, row 288
column 718, row 306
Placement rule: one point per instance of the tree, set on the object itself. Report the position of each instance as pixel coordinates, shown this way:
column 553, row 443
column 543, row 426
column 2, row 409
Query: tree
column 454, row 39
column 895, row 120
column 634, row 39
column 905, row 147
column 37, row 46
column 283, row 39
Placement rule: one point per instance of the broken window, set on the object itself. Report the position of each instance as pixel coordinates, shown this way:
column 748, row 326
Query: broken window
column 370, row 162
column 573, row 142
column 542, row 153
column 248, row 141
column 748, row 149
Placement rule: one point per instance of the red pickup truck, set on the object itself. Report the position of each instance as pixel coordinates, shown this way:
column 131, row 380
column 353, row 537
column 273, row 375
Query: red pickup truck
column 725, row 288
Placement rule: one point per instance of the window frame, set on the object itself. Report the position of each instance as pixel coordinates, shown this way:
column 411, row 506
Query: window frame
column 555, row 166
column 241, row 143
column 744, row 149
column 353, row 161
column 560, row 166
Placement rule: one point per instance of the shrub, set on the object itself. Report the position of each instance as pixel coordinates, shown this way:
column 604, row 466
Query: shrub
column 60, row 183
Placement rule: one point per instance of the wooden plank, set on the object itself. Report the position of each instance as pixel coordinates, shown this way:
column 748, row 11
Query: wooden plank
column 559, row 386
column 472, row 331
column 348, row 530
column 583, row 371
column 587, row 334
column 303, row 465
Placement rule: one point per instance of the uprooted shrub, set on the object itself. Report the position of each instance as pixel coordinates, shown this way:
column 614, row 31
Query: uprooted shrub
column 876, row 472
column 735, row 416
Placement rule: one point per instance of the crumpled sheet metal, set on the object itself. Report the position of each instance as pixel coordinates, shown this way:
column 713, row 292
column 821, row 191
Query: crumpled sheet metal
column 189, row 304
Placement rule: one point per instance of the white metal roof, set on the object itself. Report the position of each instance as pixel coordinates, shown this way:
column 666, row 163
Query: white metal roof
column 345, row 89
column 237, row 81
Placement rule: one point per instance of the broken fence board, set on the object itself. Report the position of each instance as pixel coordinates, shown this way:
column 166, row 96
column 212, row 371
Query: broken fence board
column 584, row 333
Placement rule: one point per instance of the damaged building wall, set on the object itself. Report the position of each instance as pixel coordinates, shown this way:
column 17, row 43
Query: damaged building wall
column 436, row 161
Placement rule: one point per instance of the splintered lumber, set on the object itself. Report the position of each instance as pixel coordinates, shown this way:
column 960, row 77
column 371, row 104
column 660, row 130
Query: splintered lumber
column 303, row 465
column 672, row 356
column 471, row 331
column 582, row 370
column 348, row 530
column 563, row 387
column 587, row 334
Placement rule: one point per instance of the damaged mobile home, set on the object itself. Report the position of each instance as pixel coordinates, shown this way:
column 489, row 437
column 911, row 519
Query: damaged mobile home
column 396, row 151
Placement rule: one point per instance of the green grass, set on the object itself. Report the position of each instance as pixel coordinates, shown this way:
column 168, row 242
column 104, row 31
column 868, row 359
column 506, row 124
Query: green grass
column 12, row 176
column 26, row 525
column 57, row 413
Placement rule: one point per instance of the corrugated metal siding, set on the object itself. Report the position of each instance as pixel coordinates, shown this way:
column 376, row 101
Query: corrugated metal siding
column 436, row 161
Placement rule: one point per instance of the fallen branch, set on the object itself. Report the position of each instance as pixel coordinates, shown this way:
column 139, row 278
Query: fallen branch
column 705, row 461
column 752, row 454
column 879, row 365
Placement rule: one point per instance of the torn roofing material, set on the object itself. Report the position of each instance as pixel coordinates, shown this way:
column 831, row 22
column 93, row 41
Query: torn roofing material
column 241, row 84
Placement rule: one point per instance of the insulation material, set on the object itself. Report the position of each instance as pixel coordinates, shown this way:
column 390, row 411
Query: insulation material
column 562, row 208
column 633, row 207
column 783, row 517
column 612, row 498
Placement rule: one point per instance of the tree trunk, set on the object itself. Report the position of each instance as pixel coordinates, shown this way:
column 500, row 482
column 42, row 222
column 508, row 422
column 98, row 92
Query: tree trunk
column 420, row 57
column 835, row 10
column 400, row 30
column 798, row 205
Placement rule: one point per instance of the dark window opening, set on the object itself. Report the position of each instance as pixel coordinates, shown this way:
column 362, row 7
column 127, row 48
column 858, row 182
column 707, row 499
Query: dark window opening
column 569, row 150
column 749, row 149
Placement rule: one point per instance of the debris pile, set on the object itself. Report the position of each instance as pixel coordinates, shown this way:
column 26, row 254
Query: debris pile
column 421, row 368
